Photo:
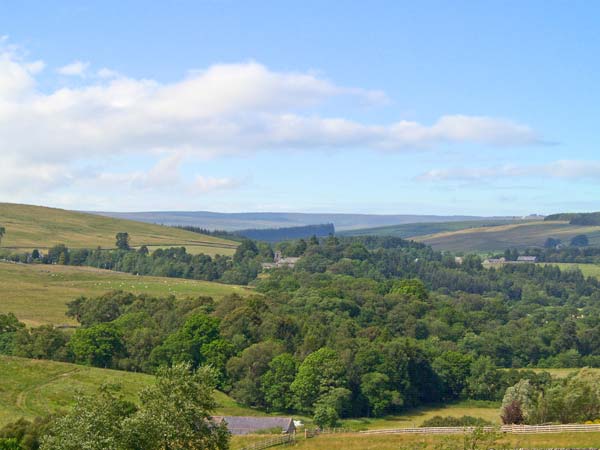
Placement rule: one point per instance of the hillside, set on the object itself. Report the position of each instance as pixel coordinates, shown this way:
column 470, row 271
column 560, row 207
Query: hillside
column 499, row 238
column 37, row 294
column 411, row 230
column 241, row 221
column 39, row 227
column 30, row 388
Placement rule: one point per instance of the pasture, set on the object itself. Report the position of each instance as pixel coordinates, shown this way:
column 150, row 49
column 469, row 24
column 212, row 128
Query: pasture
column 501, row 237
column 30, row 388
column 37, row 294
column 353, row 441
column 29, row 227
column 489, row 411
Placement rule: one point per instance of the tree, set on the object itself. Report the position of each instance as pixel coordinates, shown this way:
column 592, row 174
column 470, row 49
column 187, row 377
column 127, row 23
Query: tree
column 96, row 422
column 2, row 232
column 189, row 343
column 97, row 345
column 276, row 382
column 512, row 413
column 122, row 241
column 552, row 242
column 325, row 416
column 376, row 388
column 320, row 372
column 581, row 240
column 176, row 413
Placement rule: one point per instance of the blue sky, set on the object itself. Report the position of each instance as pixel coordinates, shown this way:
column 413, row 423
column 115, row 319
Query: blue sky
column 382, row 107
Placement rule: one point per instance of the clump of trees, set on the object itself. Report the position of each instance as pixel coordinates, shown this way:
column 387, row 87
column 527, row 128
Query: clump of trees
column 575, row 399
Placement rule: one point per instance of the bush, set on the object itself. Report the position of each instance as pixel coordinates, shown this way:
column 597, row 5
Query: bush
column 512, row 414
column 464, row 421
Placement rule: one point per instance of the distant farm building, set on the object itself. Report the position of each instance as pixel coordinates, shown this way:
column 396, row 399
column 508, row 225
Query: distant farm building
column 495, row 261
column 527, row 259
column 238, row 425
column 280, row 261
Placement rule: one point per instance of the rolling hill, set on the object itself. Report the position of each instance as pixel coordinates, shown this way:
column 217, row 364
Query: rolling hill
column 410, row 230
column 38, row 294
column 516, row 235
column 29, row 227
column 241, row 221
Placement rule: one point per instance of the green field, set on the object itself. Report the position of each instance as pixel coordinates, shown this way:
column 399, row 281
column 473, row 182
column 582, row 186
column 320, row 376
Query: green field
column 30, row 388
column 29, row 227
column 411, row 230
column 415, row 417
column 430, row 442
column 501, row 237
column 588, row 270
column 37, row 294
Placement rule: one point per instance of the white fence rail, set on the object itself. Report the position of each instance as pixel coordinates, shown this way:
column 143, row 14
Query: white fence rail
column 516, row 429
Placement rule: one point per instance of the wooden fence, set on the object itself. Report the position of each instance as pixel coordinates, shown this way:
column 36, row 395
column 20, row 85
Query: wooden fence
column 272, row 442
column 516, row 429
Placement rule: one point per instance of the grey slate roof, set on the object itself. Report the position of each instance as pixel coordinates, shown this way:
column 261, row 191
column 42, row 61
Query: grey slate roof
column 246, row 425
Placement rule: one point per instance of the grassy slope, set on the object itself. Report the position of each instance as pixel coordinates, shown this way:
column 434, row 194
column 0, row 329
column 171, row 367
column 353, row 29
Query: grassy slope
column 410, row 230
column 499, row 238
column 30, row 388
column 37, row 294
column 30, row 227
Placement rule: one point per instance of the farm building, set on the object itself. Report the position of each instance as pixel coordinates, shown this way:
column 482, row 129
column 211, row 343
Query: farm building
column 280, row 261
column 238, row 425
column 527, row 259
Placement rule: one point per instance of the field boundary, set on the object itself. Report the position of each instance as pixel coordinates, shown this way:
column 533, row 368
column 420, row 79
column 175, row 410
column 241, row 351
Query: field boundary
column 513, row 429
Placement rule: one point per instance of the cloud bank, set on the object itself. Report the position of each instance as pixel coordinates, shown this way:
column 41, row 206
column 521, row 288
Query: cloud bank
column 225, row 109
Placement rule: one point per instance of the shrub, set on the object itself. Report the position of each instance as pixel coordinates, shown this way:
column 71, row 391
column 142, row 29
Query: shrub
column 464, row 421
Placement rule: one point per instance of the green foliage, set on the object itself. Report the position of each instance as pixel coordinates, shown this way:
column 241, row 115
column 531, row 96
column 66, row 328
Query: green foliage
column 276, row 383
column 122, row 241
column 26, row 433
column 9, row 444
column 319, row 373
column 581, row 240
column 98, row 345
column 175, row 413
column 449, row 421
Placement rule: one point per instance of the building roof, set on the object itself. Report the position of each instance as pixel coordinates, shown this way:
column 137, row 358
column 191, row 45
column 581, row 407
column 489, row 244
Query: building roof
column 247, row 425
column 527, row 258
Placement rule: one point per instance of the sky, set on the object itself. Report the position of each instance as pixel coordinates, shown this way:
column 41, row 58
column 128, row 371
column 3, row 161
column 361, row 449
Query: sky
column 429, row 107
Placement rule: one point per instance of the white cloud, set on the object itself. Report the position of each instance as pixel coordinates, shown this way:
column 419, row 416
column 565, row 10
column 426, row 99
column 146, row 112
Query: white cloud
column 561, row 169
column 222, row 110
column 76, row 68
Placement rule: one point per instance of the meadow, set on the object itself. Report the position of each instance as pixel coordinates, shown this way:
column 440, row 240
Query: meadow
column 501, row 237
column 354, row 441
column 29, row 227
column 30, row 388
column 411, row 230
column 588, row 270
column 37, row 294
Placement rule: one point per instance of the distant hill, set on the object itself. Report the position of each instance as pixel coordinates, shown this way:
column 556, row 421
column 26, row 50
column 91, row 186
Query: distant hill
column 412, row 230
column 516, row 235
column 30, row 227
column 592, row 218
column 287, row 234
column 257, row 220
